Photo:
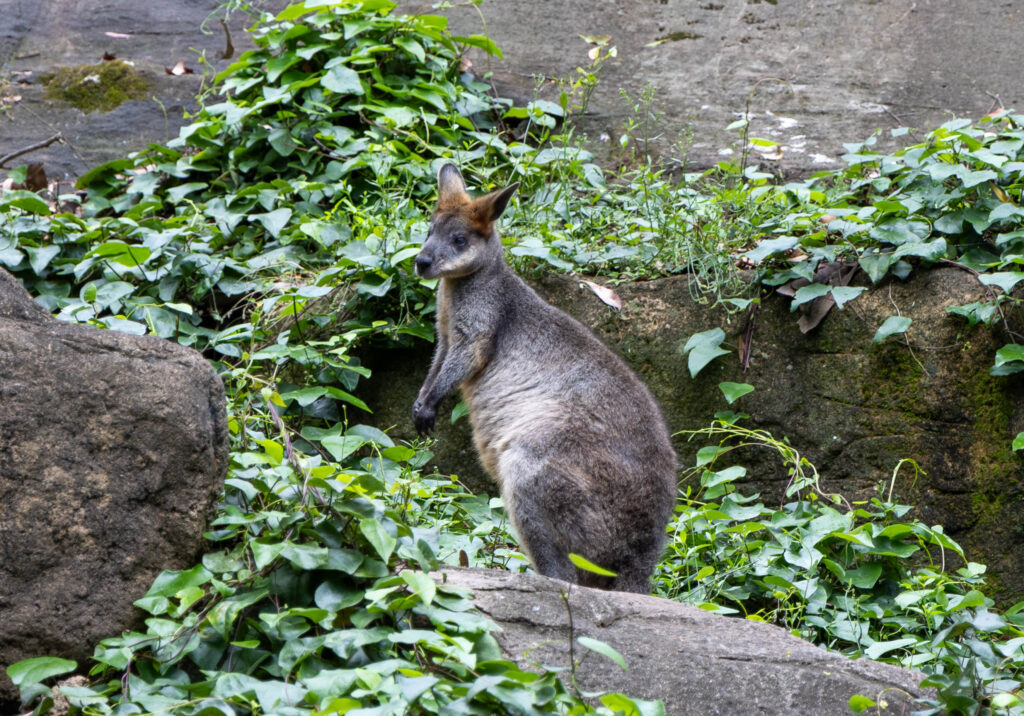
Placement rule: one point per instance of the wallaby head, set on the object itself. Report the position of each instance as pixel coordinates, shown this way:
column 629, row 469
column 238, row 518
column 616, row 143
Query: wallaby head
column 462, row 239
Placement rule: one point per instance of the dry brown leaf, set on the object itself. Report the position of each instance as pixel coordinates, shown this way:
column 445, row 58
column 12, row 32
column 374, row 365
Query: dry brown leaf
column 608, row 296
column 118, row 35
column 229, row 48
column 179, row 69
column 107, row 57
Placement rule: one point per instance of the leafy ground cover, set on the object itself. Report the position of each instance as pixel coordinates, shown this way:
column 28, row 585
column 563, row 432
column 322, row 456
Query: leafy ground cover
column 276, row 233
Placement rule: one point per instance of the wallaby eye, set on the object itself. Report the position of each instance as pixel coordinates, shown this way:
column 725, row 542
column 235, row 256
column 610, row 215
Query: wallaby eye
column 459, row 240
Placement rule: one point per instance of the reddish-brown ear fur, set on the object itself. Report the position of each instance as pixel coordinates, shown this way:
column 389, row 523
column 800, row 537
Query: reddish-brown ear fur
column 482, row 211
column 486, row 209
column 451, row 189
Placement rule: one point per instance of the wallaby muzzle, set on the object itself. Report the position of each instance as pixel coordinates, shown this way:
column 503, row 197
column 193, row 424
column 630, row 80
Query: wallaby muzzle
column 423, row 264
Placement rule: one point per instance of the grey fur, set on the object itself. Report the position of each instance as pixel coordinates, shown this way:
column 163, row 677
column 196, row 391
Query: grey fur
column 574, row 439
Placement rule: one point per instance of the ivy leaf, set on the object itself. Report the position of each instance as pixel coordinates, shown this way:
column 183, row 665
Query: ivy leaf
column 891, row 326
column 343, row 80
column 876, row 265
column 24, row 200
column 32, row 671
column 974, row 178
column 845, row 294
column 460, row 410
column 378, row 537
column 421, row 584
column 859, row 704
column 1018, row 442
column 1009, row 359
column 587, row 566
column 483, row 42
column 733, row 391
column 305, row 556
column 1005, row 280
column 1004, row 211
column 170, row 583
column 865, row 576
column 884, row 647
column 412, row 47
column 274, row 221
column 341, row 446
column 281, row 140
column 40, row 258
column 771, row 247
column 808, row 293
column 703, row 348
column 122, row 253
column 603, row 649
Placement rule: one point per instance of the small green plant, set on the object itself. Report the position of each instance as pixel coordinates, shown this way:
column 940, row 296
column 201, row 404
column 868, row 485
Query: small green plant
column 860, row 578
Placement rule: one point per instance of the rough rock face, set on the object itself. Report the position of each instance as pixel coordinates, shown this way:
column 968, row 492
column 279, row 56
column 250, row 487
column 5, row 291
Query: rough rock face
column 695, row 662
column 113, row 449
column 811, row 78
column 853, row 407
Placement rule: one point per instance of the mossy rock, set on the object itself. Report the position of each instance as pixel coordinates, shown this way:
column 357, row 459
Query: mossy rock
column 101, row 87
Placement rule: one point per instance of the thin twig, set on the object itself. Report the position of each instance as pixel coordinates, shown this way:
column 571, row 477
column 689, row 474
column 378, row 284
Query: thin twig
column 39, row 145
column 572, row 639
column 892, row 114
column 997, row 103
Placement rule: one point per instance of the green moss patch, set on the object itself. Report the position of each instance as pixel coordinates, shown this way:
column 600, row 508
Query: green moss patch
column 101, row 87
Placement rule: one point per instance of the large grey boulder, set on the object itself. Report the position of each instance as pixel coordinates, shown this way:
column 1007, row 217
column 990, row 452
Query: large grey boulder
column 697, row 663
column 853, row 407
column 113, row 450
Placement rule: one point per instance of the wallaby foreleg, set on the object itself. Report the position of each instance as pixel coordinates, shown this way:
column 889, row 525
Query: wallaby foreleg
column 459, row 362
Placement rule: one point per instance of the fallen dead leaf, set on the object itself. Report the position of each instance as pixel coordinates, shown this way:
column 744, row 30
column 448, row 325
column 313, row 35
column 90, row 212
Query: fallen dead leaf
column 36, row 178
column 179, row 69
column 229, row 48
column 118, row 35
column 107, row 57
column 608, row 296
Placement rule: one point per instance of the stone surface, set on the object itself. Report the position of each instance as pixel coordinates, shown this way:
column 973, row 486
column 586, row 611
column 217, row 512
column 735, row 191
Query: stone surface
column 853, row 407
column 816, row 73
column 695, row 662
column 113, row 450
column 38, row 36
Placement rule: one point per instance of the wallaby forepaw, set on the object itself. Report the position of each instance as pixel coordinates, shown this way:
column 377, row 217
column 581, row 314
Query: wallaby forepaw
column 423, row 417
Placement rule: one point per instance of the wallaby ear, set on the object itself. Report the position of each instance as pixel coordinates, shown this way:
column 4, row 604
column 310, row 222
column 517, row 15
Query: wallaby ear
column 451, row 189
column 492, row 205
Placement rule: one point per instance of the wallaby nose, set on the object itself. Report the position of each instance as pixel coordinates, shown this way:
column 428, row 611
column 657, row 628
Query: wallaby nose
column 423, row 263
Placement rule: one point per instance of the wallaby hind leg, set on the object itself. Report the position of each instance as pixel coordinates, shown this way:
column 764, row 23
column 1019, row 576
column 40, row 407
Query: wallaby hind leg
column 636, row 576
column 538, row 540
column 526, row 488
column 553, row 515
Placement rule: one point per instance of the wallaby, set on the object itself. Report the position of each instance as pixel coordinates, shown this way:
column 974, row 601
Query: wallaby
column 571, row 435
